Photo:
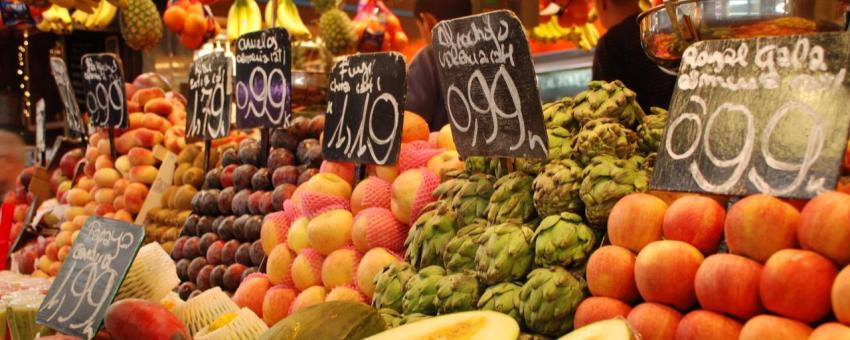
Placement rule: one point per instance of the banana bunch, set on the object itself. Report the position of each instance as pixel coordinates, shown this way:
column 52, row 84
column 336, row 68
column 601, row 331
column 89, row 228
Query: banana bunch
column 584, row 36
column 243, row 17
column 57, row 20
column 287, row 17
column 100, row 17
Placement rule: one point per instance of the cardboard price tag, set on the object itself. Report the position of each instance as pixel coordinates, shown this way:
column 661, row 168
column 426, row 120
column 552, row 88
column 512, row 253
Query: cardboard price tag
column 759, row 115
column 103, row 77
column 490, row 86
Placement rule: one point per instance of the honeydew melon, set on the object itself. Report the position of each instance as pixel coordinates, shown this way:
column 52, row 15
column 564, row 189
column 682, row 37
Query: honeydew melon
column 477, row 325
column 612, row 329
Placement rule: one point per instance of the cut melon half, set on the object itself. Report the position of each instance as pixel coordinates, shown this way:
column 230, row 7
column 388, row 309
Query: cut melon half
column 478, row 325
column 612, row 329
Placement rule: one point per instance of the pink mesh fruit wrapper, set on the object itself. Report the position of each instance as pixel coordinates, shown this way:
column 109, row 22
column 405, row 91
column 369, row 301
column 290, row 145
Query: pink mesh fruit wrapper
column 379, row 194
column 315, row 203
column 415, row 155
column 430, row 181
column 384, row 229
column 291, row 210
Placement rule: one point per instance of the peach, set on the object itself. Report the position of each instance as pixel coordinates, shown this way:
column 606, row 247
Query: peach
column 445, row 139
column 344, row 170
column 598, row 308
column 103, row 148
column 697, row 220
column 104, row 195
column 774, row 327
column 297, row 238
column 654, row 321
column 104, row 209
column 386, row 172
column 831, row 331
column 134, row 197
column 63, row 252
column 90, row 208
column 705, row 325
column 635, row 221
column 279, row 265
column 309, row 297
column 611, row 273
column 120, row 185
column 143, row 174
column 102, row 162
column 411, row 191
column 339, row 268
column 760, row 225
column 796, row 284
column 73, row 212
column 444, row 162
column 142, row 96
column 154, row 122
column 841, row 296
column 377, row 227
column 122, row 164
column 330, row 231
column 51, row 251
column 370, row 265
column 729, row 284
column 251, row 292
column 371, row 192
column 328, row 183
column 307, row 269
column 78, row 197
column 665, row 272
column 54, row 268
column 160, row 106
column 141, row 156
column 277, row 302
column 825, row 226
column 123, row 215
column 345, row 293
column 274, row 230
column 136, row 120
column 85, row 183
column 118, row 202
column 44, row 263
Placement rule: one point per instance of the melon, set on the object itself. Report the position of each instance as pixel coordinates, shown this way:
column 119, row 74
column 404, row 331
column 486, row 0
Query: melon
column 477, row 325
column 611, row 329
column 329, row 320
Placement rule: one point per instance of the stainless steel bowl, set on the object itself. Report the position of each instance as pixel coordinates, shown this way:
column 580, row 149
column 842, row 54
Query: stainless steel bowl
column 668, row 29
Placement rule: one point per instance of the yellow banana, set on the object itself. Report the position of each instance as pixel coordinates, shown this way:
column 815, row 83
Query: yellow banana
column 87, row 6
column 63, row 3
column 105, row 14
column 289, row 18
column 234, row 20
column 253, row 17
column 90, row 20
column 79, row 17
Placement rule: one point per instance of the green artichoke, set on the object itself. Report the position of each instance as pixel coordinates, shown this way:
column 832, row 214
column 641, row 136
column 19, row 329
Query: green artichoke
column 502, row 298
column 457, row 293
column 604, row 137
column 513, row 200
column 560, row 143
column 413, row 243
column 556, row 189
column 420, row 291
column 529, row 336
column 437, row 231
column 607, row 100
column 563, row 240
column 411, row 318
column 470, row 201
column 459, row 255
column 651, row 130
column 484, row 165
column 389, row 285
column 606, row 180
column 549, row 300
column 450, row 186
column 560, row 114
column 505, row 255
column 391, row 317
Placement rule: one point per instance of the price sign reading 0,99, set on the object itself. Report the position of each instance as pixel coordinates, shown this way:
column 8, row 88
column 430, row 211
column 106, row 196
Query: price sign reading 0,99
column 490, row 86
column 263, row 75
column 364, row 117
column 760, row 115
column 208, row 116
column 104, row 83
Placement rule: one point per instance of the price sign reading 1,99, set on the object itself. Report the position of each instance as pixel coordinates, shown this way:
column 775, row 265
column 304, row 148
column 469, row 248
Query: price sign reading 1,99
column 208, row 116
column 363, row 121
column 763, row 115
column 490, row 86
column 104, row 83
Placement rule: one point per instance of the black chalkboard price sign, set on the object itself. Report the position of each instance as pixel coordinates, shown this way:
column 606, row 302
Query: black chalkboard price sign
column 90, row 276
column 490, row 86
column 365, row 113
column 763, row 115
column 67, row 95
column 104, row 83
column 208, row 116
column 263, row 79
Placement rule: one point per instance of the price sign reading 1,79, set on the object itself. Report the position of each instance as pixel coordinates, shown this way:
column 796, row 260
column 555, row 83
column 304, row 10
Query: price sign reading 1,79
column 763, row 115
column 490, row 86
column 364, row 117
column 208, row 116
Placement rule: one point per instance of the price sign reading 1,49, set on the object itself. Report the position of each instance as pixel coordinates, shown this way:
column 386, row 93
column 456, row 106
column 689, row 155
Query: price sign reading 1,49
column 263, row 73
column 760, row 115
column 364, row 117
column 208, row 116
column 484, row 63
column 104, row 84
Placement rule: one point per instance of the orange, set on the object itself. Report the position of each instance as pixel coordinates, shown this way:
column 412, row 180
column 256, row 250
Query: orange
column 393, row 24
column 400, row 41
column 196, row 8
column 174, row 18
column 196, row 25
column 414, row 128
column 191, row 42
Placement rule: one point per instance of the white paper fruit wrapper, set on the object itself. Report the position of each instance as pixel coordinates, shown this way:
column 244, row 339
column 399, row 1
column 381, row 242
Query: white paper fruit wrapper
column 151, row 276
column 205, row 308
column 246, row 325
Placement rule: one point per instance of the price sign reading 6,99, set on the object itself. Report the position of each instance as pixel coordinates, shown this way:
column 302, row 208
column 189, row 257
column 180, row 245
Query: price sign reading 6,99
column 263, row 73
column 364, row 117
column 104, row 83
column 208, row 116
column 484, row 64
column 760, row 115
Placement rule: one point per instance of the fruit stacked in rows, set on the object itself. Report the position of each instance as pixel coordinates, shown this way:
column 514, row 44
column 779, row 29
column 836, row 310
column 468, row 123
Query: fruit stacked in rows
column 191, row 21
column 22, row 199
column 332, row 237
column 669, row 274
